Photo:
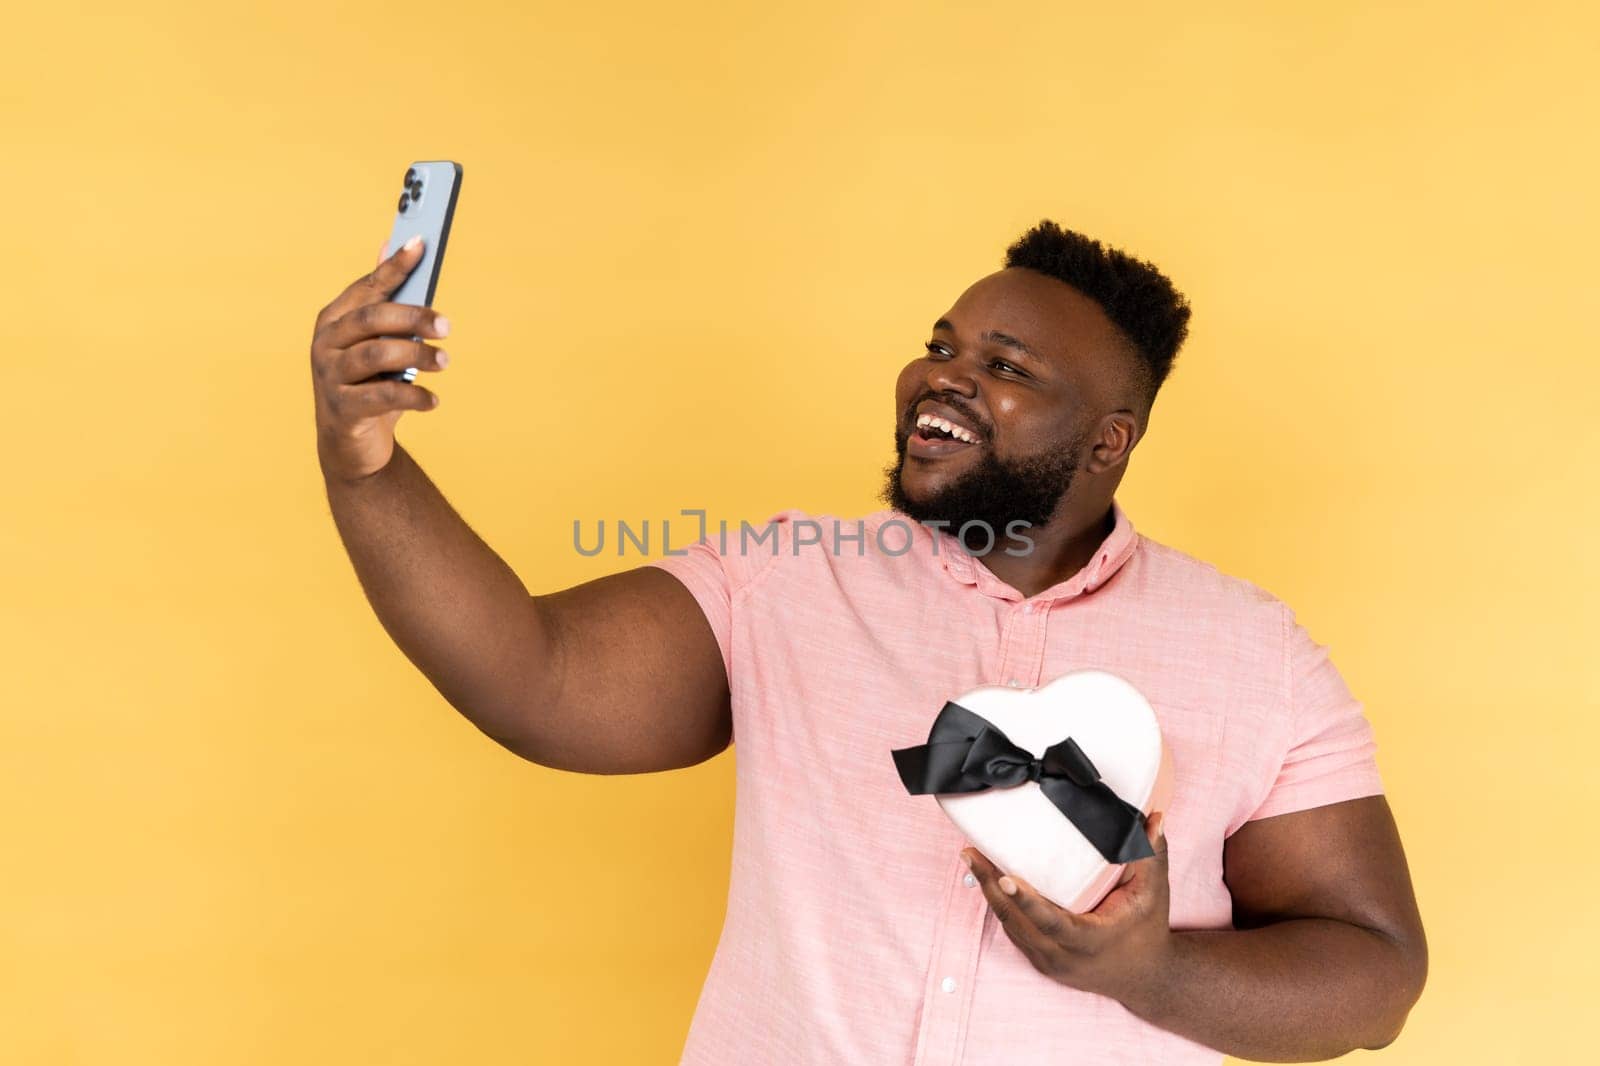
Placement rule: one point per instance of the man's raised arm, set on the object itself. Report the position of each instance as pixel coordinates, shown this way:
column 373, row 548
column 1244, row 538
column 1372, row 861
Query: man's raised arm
column 618, row 675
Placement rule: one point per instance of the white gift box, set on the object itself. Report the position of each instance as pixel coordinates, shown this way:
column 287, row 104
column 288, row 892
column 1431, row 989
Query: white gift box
column 1018, row 826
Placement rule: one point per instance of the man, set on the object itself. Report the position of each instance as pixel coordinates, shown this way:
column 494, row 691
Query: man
column 1276, row 920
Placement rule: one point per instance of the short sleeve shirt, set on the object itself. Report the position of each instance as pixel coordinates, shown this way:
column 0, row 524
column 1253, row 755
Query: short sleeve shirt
column 853, row 933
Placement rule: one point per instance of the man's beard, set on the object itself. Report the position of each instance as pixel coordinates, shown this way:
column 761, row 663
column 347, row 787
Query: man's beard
column 993, row 493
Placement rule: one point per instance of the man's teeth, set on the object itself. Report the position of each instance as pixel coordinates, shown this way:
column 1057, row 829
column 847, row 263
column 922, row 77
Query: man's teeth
column 958, row 432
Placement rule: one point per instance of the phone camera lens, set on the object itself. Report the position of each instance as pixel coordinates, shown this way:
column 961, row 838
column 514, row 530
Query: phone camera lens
column 416, row 191
column 411, row 175
column 404, row 199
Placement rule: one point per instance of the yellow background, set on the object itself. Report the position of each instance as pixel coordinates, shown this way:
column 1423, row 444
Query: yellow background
column 694, row 244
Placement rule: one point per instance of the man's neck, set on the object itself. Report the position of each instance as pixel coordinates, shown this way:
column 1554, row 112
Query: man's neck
column 1061, row 548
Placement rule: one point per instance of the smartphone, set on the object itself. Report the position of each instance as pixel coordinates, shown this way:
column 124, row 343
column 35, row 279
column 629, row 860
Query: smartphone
column 427, row 206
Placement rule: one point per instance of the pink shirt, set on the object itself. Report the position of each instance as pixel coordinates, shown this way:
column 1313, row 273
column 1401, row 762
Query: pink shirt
column 853, row 932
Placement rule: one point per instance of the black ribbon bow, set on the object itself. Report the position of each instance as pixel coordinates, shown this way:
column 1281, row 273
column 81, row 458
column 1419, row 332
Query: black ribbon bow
column 966, row 753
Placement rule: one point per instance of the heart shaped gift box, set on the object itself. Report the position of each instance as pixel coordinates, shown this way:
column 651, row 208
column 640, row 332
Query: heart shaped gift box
column 1067, row 819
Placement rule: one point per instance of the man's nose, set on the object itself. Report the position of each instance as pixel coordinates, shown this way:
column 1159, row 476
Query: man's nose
column 953, row 375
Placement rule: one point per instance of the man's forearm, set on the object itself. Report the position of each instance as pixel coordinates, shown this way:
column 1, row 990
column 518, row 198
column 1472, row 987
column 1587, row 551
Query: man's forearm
column 1294, row 991
column 451, row 604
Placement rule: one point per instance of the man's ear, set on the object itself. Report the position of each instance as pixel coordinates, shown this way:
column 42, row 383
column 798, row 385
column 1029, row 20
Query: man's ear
column 1115, row 436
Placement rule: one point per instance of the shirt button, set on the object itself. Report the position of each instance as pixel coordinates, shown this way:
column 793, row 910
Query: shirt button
column 948, row 984
column 1014, row 683
column 970, row 881
column 1027, row 608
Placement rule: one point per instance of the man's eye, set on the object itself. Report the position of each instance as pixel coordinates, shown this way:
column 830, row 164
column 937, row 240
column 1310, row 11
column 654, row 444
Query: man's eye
column 1001, row 364
column 935, row 348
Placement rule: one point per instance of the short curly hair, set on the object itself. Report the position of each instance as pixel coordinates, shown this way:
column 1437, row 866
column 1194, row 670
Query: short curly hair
column 1138, row 299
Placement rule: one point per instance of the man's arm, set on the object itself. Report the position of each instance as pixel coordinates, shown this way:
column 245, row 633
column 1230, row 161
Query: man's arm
column 618, row 675
column 1327, row 956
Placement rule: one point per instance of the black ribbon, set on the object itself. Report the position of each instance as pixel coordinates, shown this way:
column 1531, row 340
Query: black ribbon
column 965, row 753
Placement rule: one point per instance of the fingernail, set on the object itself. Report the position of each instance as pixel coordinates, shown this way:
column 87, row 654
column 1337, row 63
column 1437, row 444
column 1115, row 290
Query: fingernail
column 412, row 244
column 966, row 858
column 1008, row 886
column 441, row 325
column 444, row 360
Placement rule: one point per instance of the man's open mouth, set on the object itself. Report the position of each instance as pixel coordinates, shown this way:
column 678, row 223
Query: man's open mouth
column 932, row 427
column 935, row 436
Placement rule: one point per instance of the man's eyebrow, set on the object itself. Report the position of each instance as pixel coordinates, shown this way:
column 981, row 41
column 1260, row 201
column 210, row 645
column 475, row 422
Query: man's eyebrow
column 994, row 336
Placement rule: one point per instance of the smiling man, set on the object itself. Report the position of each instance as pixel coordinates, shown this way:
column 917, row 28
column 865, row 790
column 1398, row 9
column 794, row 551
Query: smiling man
column 1276, row 920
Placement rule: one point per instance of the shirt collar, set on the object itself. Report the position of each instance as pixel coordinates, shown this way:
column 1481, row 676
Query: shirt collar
column 1115, row 550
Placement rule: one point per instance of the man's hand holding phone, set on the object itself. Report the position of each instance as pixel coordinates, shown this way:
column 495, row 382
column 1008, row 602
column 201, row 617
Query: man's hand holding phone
column 359, row 335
